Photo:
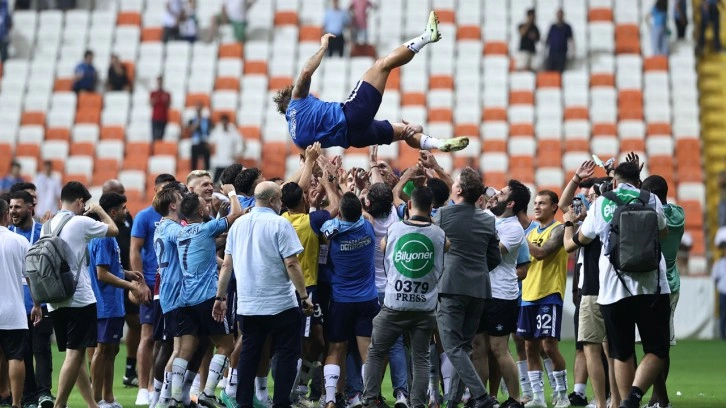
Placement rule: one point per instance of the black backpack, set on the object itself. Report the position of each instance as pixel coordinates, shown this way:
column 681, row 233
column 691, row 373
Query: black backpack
column 634, row 237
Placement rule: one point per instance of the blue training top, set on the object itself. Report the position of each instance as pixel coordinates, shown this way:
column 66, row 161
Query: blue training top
column 311, row 120
column 197, row 254
column 167, row 256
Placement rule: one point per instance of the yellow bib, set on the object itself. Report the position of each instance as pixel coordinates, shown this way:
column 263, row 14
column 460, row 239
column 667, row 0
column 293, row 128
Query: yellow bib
column 549, row 275
column 311, row 243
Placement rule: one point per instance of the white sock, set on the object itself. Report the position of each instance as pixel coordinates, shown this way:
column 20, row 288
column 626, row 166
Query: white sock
column 331, row 372
column 190, row 379
column 524, row 378
column 178, row 368
column 216, row 372
column 535, row 377
column 447, row 371
column 416, row 44
column 363, row 371
column 580, row 389
column 550, row 368
column 157, row 393
column 261, row 389
column 231, row 388
column 166, row 388
column 561, row 383
column 430, row 143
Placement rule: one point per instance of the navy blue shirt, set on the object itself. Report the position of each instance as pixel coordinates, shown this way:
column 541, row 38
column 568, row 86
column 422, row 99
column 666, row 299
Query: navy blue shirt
column 352, row 270
column 558, row 37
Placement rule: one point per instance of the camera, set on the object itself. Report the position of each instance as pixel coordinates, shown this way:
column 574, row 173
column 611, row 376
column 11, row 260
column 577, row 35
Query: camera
column 577, row 205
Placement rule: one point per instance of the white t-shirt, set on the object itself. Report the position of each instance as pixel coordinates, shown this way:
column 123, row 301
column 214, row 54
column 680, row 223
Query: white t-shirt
column 612, row 288
column 77, row 233
column 170, row 18
column 13, row 248
column 504, row 277
column 380, row 227
column 235, row 10
column 48, row 189
column 228, row 145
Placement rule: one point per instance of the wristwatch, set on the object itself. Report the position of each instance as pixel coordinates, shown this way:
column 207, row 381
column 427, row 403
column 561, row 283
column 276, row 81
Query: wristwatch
column 569, row 224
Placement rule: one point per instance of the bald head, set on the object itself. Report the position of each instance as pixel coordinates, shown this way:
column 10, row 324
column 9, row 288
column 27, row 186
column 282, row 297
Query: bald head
column 268, row 194
column 113, row 186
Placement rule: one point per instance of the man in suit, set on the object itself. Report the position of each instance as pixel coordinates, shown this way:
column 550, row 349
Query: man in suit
column 464, row 285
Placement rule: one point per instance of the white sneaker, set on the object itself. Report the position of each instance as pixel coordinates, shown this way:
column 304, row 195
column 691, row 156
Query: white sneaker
column 466, row 397
column 116, row 404
column 401, row 400
column 591, row 405
column 355, row 402
column 103, row 404
column 142, row 398
column 562, row 403
column 432, row 27
column 535, row 404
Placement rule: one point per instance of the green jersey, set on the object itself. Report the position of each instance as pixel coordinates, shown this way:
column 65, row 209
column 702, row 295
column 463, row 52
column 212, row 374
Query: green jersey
column 675, row 218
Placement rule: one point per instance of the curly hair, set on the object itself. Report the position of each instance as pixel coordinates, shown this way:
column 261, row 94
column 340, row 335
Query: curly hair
column 282, row 99
column 380, row 197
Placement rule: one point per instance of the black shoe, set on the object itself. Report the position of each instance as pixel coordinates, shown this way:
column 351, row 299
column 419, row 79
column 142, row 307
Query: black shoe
column 6, row 402
column 511, row 403
column 485, row 401
column 131, row 380
column 576, row 400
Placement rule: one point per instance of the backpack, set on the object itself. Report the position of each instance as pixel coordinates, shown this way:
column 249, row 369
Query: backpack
column 47, row 265
column 634, row 241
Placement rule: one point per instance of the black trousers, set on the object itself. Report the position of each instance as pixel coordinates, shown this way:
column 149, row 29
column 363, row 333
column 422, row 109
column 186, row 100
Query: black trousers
column 284, row 328
column 336, row 45
column 681, row 28
column 200, row 150
column 38, row 379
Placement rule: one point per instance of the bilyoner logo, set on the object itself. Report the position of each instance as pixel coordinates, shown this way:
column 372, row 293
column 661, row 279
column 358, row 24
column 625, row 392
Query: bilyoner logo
column 414, row 255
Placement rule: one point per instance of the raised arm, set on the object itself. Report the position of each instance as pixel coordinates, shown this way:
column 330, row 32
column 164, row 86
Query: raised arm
column 428, row 160
column 549, row 247
column 332, row 192
column 302, row 84
column 235, row 210
column 584, row 172
column 105, row 218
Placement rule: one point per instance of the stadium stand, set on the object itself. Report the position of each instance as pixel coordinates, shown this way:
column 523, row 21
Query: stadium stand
column 614, row 98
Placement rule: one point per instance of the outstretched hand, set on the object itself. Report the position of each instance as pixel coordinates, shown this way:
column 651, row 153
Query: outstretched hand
column 409, row 130
column 325, row 39
column 634, row 158
column 586, row 170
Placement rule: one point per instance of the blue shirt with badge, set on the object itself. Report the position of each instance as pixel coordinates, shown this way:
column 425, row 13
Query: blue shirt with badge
column 352, row 269
column 198, row 258
column 168, row 259
column 311, row 120
column 109, row 299
column 144, row 227
column 32, row 235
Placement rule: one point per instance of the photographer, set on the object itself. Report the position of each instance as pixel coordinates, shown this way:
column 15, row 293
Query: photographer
column 629, row 297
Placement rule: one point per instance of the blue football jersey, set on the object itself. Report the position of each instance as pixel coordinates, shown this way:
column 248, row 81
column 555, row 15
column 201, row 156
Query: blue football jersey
column 144, row 227
column 109, row 299
column 198, row 259
column 169, row 269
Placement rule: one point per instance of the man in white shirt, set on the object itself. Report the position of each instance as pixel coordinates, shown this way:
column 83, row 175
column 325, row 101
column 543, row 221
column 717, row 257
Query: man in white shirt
column 262, row 250
column 74, row 320
column 13, row 321
column 228, row 146
column 234, row 12
column 629, row 300
column 499, row 318
column 48, row 188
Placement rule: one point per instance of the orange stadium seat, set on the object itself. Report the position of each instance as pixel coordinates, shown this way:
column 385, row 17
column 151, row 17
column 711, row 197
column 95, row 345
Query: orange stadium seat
column 132, row 162
column 602, row 80
column 413, row 99
column 576, row 113
column 394, row 80
column 656, row 63
column 694, row 213
column 255, row 67
column 659, row 129
column 226, row 84
column 217, row 116
column 446, row 16
column 688, row 151
column 627, row 39
column 496, row 48
column 33, row 118
column 88, row 115
column 90, row 100
column 441, row 82
column 407, row 157
column 286, row 18
column 440, row 115
column 139, row 149
column 174, row 116
column 521, row 129
column 194, row 98
column 279, row 82
column 604, row 129
column 130, row 70
column 468, row 32
column 494, row 114
column 600, row 14
column 231, row 50
column 274, row 155
column 549, row 153
column 151, row 34
column 699, row 246
column 310, row 33
column 128, row 18
column 58, row 134
column 689, row 172
column 161, row 147
column 113, row 133
column 63, row 85
column 632, row 145
column 101, row 175
column 27, row 149
column 250, row 132
column 549, row 80
column 521, row 98
column 469, row 130
column 83, row 149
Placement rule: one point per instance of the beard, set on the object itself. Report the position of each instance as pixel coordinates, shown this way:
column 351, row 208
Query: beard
column 499, row 209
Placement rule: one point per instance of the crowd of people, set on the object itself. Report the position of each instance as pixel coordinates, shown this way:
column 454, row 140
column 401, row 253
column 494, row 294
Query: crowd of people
column 332, row 274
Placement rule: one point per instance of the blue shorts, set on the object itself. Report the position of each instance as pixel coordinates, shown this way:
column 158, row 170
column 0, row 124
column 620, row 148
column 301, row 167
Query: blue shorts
column 349, row 319
column 540, row 321
column 317, row 317
column 110, row 330
column 360, row 111
column 146, row 311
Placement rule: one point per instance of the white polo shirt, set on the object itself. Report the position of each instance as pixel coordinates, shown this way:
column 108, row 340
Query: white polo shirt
column 13, row 248
column 504, row 276
column 612, row 289
column 259, row 242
